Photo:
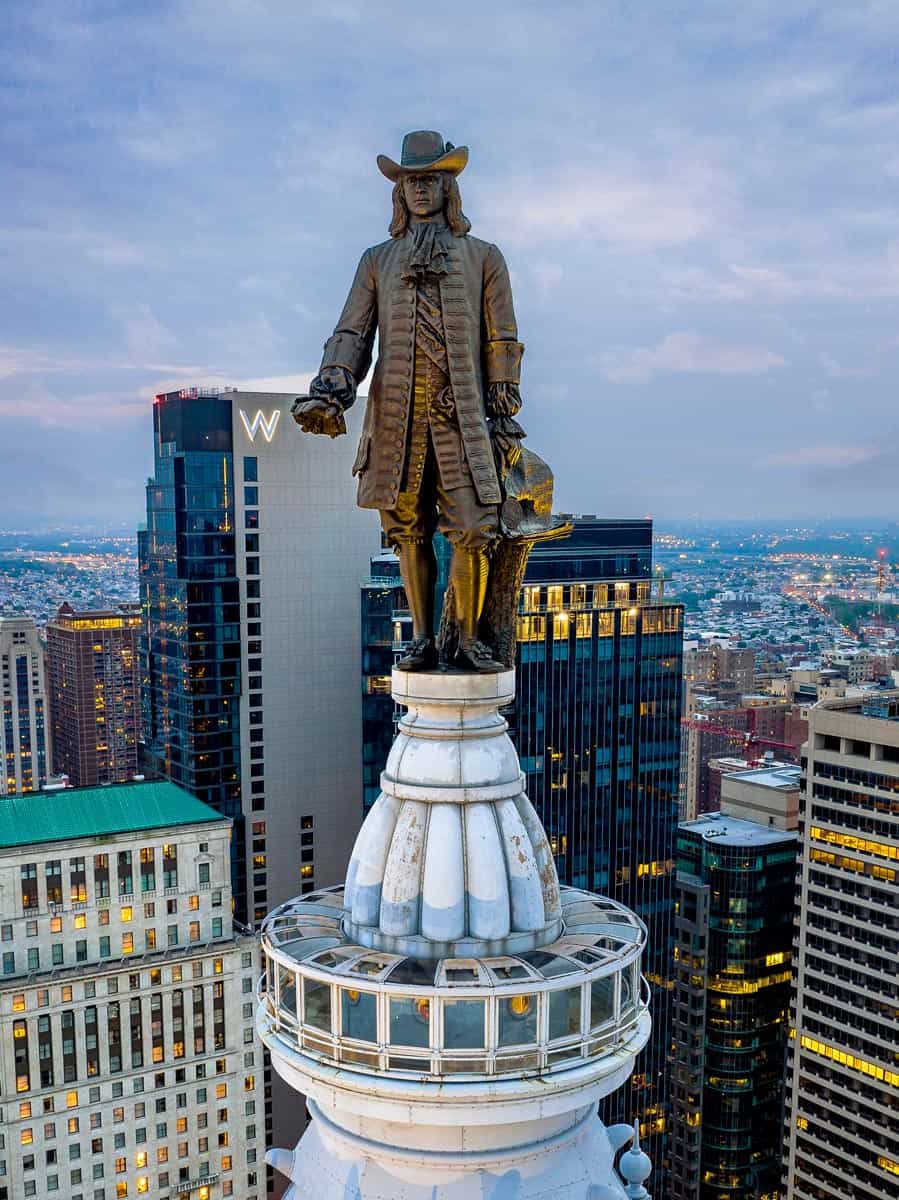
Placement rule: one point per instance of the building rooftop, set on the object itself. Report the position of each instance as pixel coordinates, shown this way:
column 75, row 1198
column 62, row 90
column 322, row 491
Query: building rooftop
column 61, row 816
column 126, row 614
column 780, row 778
column 734, row 831
column 879, row 704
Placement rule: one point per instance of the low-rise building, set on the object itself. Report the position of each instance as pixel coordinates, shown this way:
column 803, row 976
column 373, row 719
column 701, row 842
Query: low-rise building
column 713, row 662
column 127, row 1057
column 768, row 795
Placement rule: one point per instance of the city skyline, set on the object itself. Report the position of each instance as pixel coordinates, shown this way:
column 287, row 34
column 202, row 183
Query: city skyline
column 727, row 178
column 605, row 855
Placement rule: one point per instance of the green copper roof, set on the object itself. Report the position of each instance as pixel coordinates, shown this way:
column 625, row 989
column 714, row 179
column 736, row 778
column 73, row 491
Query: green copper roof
column 70, row 813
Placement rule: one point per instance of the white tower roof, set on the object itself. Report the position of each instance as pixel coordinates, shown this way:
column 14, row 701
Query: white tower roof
column 453, row 859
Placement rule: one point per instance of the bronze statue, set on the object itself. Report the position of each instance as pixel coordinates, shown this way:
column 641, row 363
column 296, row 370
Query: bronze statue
column 439, row 440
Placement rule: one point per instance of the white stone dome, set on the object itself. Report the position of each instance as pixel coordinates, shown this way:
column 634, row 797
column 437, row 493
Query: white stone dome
column 452, row 858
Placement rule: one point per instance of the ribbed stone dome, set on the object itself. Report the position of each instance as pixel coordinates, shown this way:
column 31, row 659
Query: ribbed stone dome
column 452, row 859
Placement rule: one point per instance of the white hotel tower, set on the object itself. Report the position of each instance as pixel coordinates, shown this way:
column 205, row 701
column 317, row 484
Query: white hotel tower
column 451, row 1014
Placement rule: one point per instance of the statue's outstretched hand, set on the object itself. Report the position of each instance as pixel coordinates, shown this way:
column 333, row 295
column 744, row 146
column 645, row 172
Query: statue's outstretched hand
column 317, row 415
column 330, row 392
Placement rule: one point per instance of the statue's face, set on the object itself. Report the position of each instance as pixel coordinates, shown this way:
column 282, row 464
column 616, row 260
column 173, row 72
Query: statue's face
column 424, row 194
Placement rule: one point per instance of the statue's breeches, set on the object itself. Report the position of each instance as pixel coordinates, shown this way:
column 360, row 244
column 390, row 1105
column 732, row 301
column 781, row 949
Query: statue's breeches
column 456, row 512
column 438, row 491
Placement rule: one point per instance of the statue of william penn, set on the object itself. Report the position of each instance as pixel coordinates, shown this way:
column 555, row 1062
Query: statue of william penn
column 439, row 437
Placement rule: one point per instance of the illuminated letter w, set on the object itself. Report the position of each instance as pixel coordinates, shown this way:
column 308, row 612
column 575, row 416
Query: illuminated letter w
column 267, row 425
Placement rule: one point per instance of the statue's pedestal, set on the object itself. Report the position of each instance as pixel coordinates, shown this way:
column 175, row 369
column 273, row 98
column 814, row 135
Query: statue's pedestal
column 452, row 1015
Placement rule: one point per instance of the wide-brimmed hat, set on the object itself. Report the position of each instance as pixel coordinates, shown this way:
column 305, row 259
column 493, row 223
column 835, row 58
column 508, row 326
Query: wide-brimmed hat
column 424, row 150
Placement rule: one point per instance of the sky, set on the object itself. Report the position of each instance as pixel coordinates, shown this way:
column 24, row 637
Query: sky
column 697, row 202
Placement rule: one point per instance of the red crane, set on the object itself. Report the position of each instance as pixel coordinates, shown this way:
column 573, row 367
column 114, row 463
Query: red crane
column 748, row 738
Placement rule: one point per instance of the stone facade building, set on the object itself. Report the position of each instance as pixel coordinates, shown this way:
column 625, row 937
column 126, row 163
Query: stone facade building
column 127, row 1057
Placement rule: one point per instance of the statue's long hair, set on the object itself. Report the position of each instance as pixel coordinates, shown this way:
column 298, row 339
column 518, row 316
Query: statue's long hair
column 452, row 208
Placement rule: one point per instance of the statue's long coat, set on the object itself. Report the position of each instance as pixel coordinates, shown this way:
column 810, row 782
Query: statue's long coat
column 482, row 348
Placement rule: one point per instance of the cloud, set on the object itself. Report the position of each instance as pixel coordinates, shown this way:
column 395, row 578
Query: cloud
column 50, row 408
column 254, row 334
column 817, row 456
column 107, row 249
column 298, row 384
column 44, row 360
column 28, row 360
column 667, row 201
column 145, row 335
column 547, row 276
column 837, row 371
column 168, row 141
column 686, row 353
column 186, row 205
column 840, row 466
column 799, row 86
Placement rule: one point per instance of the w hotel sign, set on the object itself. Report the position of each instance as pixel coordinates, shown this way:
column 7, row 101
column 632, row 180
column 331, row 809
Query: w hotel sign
column 260, row 423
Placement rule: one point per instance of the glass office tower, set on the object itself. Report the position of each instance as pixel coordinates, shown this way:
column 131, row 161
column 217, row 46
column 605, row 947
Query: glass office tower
column 191, row 645
column 734, row 934
column 596, row 722
column 249, row 571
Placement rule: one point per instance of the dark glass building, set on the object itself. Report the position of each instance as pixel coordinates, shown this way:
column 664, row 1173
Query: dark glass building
column 191, row 645
column 733, row 937
column 596, row 722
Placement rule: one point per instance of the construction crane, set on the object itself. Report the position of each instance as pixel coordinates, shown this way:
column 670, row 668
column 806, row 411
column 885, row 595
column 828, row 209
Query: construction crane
column 748, row 739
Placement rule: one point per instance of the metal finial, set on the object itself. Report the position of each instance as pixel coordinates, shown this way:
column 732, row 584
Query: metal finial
column 635, row 1168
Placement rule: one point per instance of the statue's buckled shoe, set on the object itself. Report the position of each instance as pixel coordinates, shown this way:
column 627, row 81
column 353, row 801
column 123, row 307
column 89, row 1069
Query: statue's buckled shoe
column 475, row 656
column 421, row 655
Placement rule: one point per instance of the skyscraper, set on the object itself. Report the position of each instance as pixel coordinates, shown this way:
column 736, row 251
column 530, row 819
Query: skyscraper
column 23, row 732
column 733, row 935
column 249, row 570
column 596, row 722
column 93, row 685
column 843, row 1085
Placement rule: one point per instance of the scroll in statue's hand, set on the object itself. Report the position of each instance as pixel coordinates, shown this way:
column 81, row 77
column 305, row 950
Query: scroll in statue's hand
column 330, row 392
column 318, row 415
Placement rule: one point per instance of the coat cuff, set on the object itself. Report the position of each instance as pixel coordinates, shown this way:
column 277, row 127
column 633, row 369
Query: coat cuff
column 503, row 361
column 347, row 350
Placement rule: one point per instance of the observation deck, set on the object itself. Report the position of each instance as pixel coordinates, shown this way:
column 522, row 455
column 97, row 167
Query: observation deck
column 577, row 1002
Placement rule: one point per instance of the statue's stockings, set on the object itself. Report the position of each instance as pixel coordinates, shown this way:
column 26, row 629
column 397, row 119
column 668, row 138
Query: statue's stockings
column 469, row 574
